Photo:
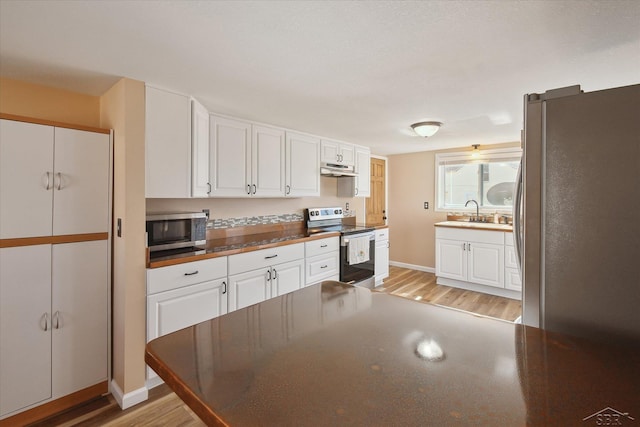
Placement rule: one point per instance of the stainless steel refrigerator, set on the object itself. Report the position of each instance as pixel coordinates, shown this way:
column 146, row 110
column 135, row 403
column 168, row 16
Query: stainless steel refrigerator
column 577, row 212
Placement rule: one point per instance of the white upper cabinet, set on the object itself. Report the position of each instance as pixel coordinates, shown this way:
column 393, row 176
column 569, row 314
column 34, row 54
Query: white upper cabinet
column 246, row 160
column 302, row 165
column 230, row 157
column 337, row 152
column 81, row 166
column 49, row 177
column 267, row 162
column 200, row 186
column 167, row 144
column 359, row 186
column 26, row 179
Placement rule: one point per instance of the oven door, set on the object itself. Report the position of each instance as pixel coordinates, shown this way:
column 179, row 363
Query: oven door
column 356, row 272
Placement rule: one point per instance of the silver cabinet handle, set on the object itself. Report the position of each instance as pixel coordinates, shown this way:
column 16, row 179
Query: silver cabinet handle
column 59, row 186
column 48, row 185
column 56, row 317
column 209, row 185
column 275, row 274
column 464, row 246
column 324, row 266
column 248, row 188
column 288, row 189
column 45, row 317
column 224, row 288
column 269, row 275
column 192, row 273
column 388, row 245
column 469, row 246
column 255, row 188
column 323, row 246
column 356, row 191
column 271, row 256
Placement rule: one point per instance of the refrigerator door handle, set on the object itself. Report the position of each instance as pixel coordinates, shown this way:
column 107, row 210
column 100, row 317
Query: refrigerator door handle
column 517, row 226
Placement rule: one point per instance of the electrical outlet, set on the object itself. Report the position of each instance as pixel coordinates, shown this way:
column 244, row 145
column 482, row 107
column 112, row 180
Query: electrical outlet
column 206, row 212
column 426, row 205
column 119, row 227
column 346, row 207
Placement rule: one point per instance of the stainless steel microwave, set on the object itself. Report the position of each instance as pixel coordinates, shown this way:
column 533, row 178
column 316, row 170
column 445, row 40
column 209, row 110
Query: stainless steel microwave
column 166, row 231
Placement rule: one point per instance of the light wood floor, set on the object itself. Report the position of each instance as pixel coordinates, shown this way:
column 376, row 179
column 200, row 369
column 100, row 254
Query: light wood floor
column 164, row 408
column 421, row 286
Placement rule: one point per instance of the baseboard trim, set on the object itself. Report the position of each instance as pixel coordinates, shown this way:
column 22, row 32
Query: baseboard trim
column 412, row 266
column 129, row 399
column 501, row 292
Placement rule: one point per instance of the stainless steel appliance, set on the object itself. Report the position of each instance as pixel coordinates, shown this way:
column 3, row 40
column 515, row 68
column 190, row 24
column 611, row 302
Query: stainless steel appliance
column 357, row 272
column 176, row 231
column 577, row 222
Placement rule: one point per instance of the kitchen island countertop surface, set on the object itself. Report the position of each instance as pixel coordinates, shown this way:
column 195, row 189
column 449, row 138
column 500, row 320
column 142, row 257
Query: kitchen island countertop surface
column 333, row 354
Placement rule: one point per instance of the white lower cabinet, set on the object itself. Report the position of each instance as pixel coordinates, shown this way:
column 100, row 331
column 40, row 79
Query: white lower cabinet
column 322, row 260
column 183, row 295
column 53, row 321
column 381, row 267
column 259, row 275
column 473, row 256
column 511, row 273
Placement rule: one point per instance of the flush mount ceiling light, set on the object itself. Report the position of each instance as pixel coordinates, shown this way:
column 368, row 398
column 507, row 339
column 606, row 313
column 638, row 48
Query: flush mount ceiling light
column 426, row 129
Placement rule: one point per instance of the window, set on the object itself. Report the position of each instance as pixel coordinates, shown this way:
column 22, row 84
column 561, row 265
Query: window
column 488, row 179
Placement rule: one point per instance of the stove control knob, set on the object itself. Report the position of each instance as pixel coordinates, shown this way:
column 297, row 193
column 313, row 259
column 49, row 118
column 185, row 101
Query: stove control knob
column 312, row 213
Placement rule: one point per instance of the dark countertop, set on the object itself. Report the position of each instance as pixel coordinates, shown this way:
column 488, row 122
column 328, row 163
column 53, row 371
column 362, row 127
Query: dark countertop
column 239, row 244
column 332, row 354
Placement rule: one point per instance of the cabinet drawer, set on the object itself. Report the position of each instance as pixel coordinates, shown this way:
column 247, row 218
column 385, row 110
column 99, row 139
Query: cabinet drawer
column 265, row 258
column 382, row 234
column 321, row 267
column 322, row 246
column 176, row 276
column 480, row 236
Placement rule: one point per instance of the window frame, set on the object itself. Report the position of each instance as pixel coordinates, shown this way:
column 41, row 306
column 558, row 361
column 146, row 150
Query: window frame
column 482, row 157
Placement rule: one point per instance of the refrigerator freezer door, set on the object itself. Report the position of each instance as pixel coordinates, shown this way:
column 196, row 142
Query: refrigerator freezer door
column 589, row 236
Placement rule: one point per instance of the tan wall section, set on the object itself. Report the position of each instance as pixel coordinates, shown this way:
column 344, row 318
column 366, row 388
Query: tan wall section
column 411, row 183
column 42, row 102
column 123, row 110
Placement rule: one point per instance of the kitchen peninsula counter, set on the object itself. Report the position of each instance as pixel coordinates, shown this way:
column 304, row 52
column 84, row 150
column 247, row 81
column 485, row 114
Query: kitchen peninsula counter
column 333, row 354
column 476, row 225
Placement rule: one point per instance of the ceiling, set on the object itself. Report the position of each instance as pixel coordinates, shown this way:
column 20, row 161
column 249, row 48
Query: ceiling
column 359, row 71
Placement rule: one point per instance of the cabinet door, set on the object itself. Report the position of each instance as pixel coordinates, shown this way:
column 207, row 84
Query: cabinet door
column 382, row 260
column 199, row 150
column 287, row 277
column 329, row 151
column 180, row 308
column 347, row 155
column 249, row 288
column 26, row 179
column 230, row 157
column 302, row 166
column 79, row 315
column 451, row 259
column 486, row 264
column 363, row 168
column 25, row 335
column 167, row 144
column 267, row 163
column 81, row 182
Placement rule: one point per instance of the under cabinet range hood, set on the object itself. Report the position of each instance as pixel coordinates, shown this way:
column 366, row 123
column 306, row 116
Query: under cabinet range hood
column 332, row 169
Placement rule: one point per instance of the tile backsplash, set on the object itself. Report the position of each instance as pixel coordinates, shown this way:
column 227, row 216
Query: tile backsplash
column 253, row 220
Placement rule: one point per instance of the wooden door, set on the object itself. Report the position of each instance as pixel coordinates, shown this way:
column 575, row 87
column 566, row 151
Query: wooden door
column 376, row 203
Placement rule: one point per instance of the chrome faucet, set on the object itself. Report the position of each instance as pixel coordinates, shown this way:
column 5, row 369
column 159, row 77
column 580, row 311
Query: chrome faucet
column 477, row 209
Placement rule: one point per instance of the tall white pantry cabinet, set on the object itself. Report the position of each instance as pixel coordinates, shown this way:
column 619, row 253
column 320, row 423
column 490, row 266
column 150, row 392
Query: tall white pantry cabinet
column 55, row 203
